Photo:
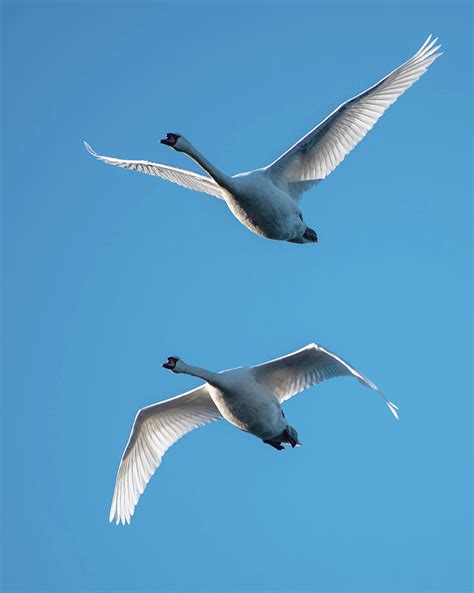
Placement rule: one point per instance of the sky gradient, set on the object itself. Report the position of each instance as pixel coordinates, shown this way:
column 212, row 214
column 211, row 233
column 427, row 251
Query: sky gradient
column 106, row 272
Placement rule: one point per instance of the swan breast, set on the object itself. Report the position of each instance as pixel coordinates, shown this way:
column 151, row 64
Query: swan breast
column 263, row 207
column 248, row 405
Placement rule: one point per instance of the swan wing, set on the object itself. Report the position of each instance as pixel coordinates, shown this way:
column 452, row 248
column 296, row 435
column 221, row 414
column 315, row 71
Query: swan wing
column 187, row 179
column 155, row 429
column 313, row 364
column 318, row 153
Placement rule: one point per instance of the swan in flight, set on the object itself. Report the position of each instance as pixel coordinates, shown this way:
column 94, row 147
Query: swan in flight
column 250, row 398
column 266, row 200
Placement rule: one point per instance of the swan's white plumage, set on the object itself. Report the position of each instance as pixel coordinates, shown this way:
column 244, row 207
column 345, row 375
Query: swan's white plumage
column 155, row 429
column 319, row 152
column 247, row 397
column 266, row 200
column 187, row 179
column 313, row 364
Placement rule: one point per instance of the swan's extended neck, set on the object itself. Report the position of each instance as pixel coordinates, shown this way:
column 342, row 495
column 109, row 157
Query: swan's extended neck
column 207, row 376
column 204, row 163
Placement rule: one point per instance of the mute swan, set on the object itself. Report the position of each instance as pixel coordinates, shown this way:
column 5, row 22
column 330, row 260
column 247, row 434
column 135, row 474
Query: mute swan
column 250, row 398
column 266, row 200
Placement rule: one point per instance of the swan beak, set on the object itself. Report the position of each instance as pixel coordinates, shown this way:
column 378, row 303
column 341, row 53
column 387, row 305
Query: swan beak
column 170, row 139
column 170, row 363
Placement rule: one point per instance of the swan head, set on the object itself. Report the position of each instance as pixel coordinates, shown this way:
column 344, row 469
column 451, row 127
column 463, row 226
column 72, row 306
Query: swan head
column 170, row 139
column 174, row 364
column 176, row 141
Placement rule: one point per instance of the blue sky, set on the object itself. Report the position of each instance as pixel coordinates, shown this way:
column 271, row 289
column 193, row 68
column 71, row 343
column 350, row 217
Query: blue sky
column 106, row 272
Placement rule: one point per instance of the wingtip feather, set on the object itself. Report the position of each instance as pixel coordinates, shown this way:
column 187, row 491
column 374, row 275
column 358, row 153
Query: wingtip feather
column 393, row 408
column 89, row 148
column 112, row 510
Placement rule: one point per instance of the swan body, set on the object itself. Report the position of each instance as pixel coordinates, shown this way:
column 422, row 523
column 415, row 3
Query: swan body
column 247, row 404
column 264, row 208
column 266, row 200
column 249, row 398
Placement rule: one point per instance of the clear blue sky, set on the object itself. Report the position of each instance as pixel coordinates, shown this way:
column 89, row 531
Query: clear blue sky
column 106, row 272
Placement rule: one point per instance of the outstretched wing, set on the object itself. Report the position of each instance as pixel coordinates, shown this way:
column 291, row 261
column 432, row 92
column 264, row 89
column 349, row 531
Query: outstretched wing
column 313, row 364
column 318, row 153
column 182, row 177
column 155, row 429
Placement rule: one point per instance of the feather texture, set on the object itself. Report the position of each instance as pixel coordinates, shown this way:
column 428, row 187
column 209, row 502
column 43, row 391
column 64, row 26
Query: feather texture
column 318, row 153
column 313, row 364
column 187, row 179
column 155, row 429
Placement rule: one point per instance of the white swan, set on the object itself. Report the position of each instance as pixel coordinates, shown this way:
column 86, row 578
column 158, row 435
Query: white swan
column 250, row 398
column 266, row 200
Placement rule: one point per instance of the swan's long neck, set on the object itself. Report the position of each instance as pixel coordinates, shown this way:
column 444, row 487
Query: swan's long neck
column 221, row 178
column 207, row 376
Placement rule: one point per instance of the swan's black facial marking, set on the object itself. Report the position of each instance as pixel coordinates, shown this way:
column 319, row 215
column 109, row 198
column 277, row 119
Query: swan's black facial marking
column 310, row 235
column 170, row 139
column 170, row 363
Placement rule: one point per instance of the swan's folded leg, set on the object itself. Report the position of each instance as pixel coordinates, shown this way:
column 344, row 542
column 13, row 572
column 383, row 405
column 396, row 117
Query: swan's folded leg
column 274, row 444
column 289, row 435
